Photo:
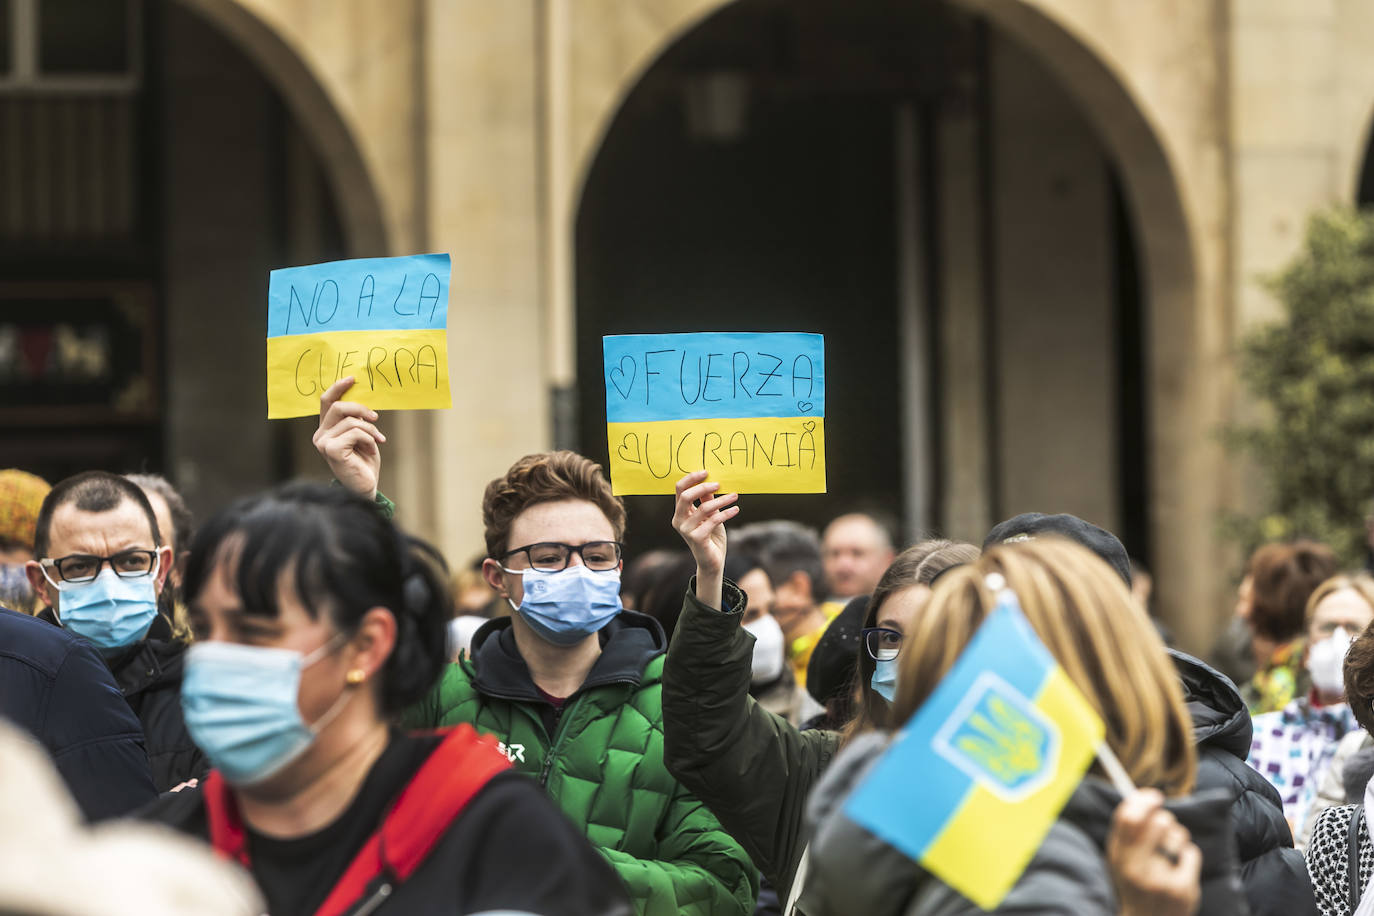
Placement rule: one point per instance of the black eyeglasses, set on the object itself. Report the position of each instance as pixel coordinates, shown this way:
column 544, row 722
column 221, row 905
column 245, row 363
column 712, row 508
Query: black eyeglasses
column 84, row 567
column 551, row 556
column 883, row 644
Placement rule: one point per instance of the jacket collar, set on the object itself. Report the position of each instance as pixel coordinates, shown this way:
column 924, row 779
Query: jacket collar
column 155, row 659
column 1219, row 716
column 628, row 643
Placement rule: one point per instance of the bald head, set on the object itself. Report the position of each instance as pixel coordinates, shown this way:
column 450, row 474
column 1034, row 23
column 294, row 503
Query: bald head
column 856, row 551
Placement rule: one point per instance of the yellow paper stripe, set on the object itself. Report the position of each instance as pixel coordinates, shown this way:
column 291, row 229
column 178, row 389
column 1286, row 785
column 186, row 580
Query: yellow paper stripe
column 395, row 370
column 746, row 455
column 989, row 841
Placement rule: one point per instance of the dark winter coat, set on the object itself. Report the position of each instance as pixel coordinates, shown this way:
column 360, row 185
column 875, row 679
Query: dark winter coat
column 508, row 850
column 1272, row 871
column 54, row 686
column 149, row 676
column 751, row 767
column 603, row 764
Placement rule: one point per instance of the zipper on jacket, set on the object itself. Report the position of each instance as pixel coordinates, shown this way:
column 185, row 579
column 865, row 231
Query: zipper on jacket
column 371, row 904
column 575, row 699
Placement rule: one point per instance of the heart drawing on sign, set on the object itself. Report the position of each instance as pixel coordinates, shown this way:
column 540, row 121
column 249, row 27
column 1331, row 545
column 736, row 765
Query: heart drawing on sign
column 624, row 450
column 805, row 406
column 620, row 370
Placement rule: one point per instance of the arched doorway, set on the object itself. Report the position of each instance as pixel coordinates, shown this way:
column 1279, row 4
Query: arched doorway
column 989, row 254
column 157, row 196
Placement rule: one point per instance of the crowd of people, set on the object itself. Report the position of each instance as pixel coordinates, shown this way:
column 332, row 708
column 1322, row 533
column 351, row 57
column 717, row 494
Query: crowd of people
column 298, row 708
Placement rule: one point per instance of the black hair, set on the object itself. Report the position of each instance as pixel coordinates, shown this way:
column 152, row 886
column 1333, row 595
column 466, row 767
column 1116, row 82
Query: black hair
column 344, row 558
column 784, row 547
column 90, row 491
column 740, row 563
column 183, row 523
column 663, row 598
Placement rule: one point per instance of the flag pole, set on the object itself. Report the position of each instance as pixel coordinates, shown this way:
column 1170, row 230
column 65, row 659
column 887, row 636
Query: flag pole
column 1115, row 771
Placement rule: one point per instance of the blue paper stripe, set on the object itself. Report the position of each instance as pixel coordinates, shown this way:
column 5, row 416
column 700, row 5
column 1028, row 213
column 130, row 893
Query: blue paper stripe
column 912, row 792
column 653, row 377
column 365, row 294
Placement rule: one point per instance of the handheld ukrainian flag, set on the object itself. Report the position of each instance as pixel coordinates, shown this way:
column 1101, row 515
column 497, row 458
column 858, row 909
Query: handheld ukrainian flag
column 972, row 784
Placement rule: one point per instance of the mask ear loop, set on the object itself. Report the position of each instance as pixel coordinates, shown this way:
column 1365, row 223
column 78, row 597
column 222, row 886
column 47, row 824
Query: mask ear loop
column 56, row 586
column 512, row 572
column 330, row 714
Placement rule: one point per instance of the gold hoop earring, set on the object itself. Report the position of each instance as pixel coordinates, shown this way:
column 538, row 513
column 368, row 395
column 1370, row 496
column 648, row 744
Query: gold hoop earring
column 355, row 677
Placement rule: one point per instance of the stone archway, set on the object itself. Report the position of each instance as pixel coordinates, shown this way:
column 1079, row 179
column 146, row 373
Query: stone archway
column 1186, row 395
column 361, row 208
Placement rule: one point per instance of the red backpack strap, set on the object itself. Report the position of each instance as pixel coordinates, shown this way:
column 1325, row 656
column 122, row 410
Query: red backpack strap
column 457, row 770
column 222, row 813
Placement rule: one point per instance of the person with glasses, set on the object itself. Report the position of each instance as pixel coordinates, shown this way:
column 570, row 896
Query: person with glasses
column 100, row 565
column 570, row 682
column 751, row 767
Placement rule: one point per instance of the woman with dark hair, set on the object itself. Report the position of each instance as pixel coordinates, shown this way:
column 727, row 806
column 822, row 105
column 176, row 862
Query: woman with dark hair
column 317, row 621
column 901, row 593
column 752, row 768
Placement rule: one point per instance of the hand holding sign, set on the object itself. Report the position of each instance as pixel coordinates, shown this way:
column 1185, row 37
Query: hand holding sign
column 349, row 440
column 747, row 408
column 700, row 516
column 381, row 321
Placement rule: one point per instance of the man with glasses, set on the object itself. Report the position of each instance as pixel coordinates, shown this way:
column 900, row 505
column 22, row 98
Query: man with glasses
column 570, row 682
column 100, row 566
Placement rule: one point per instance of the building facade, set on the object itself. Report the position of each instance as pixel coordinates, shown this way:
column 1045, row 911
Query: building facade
column 1033, row 232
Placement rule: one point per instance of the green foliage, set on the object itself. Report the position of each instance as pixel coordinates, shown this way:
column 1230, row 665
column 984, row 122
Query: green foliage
column 1315, row 370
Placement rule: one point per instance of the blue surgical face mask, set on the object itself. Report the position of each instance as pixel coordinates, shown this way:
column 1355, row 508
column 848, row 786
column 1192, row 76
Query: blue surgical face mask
column 566, row 606
column 111, row 612
column 884, row 681
column 240, row 706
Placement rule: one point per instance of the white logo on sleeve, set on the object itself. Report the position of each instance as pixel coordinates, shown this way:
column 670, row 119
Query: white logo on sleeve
column 515, row 753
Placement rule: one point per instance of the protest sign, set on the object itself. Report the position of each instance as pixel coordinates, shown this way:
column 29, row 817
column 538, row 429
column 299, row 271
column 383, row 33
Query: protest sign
column 749, row 408
column 1003, row 740
column 383, row 321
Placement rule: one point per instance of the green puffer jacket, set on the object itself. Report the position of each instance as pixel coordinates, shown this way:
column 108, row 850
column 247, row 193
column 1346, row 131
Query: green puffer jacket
column 750, row 767
column 603, row 764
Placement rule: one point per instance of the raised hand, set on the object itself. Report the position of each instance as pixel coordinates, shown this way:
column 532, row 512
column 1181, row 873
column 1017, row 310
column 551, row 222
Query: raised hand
column 1153, row 860
column 349, row 441
column 700, row 517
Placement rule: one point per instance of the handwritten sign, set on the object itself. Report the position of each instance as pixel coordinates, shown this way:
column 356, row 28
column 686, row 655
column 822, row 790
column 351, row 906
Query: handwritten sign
column 383, row 321
column 749, row 408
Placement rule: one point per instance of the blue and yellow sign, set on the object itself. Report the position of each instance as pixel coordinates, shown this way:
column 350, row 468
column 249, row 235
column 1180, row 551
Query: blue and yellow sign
column 971, row 785
column 749, row 408
column 383, row 321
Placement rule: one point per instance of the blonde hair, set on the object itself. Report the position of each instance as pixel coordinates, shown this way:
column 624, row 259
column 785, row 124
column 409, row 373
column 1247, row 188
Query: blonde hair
column 1360, row 583
column 1101, row 638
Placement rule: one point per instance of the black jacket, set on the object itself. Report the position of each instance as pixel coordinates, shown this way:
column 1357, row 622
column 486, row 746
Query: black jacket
column 54, row 686
column 149, row 676
column 509, row 849
column 1273, row 872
